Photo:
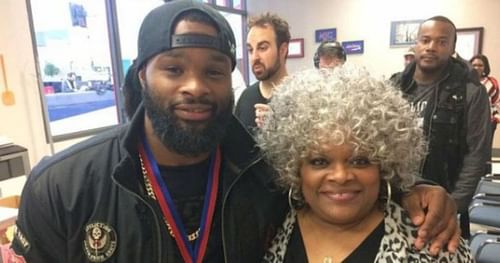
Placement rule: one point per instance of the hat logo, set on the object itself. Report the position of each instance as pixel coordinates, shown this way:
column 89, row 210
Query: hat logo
column 232, row 47
column 100, row 241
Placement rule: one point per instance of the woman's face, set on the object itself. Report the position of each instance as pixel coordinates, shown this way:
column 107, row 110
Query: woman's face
column 478, row 65
column 339, row 186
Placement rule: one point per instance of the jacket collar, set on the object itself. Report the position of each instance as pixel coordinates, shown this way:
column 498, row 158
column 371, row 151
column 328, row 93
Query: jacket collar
column 455, row 69
column 238, row 149
column 128, row 170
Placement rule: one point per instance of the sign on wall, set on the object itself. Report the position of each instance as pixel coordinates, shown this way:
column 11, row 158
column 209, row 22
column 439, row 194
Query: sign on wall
column 327, row 34
column 353, row 47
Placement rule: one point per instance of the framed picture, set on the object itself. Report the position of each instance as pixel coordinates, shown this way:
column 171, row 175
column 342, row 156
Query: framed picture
column 328, row 34
column 469, row 42
column 404, row 33
column 296, row 48
column 353, row 47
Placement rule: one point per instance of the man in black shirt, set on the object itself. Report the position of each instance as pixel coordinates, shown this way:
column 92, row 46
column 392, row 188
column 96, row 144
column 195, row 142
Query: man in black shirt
column 267, row 43
column 454, row 113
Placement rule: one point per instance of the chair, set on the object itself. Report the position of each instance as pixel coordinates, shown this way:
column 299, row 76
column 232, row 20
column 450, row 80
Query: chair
column 485, row 212
column 485, row 206
column 489, row 184
column 485, row 246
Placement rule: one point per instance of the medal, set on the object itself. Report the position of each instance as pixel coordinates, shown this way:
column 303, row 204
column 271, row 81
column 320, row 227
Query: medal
column 156, row 187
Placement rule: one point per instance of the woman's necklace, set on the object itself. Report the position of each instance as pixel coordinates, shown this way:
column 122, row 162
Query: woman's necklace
column 149, row 189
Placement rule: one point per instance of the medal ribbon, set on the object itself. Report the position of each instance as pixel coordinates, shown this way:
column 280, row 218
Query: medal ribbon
column 189, row 253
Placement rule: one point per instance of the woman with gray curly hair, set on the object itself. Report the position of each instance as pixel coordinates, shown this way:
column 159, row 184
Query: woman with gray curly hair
column 341, row 142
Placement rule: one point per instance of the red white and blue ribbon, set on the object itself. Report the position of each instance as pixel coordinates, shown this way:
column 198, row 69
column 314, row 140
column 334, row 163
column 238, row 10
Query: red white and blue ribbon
column 190, row 253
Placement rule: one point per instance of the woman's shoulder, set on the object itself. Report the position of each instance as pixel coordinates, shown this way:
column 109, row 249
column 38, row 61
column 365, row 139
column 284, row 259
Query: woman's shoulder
column 398, row 229
column 278, row 247
column 399, row 236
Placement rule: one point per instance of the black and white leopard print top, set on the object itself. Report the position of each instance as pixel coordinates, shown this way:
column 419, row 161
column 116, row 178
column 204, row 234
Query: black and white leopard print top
column 396, row 245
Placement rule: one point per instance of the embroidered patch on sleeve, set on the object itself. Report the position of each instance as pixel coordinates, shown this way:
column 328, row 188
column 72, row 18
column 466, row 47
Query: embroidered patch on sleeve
column 20, row 243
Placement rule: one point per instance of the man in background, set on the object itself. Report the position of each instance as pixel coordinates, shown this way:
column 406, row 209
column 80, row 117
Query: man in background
column 409, row 56
column 454, row 112
column 69, row 84
column 329, row 55
column 267, row 43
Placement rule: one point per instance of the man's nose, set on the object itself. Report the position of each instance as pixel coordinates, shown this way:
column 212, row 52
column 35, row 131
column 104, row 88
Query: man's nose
column 254, row 56
column 432, row 45
column 195, row 86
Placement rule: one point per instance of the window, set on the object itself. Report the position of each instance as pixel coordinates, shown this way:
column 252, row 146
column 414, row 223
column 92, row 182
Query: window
column 74, row 60
column 130, row 16
column 239, row 4
column 80, row 64
column 224, row 3
column 236, row 23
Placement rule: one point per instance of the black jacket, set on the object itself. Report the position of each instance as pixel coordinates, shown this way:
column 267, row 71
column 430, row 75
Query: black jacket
column 456, row 123
column 99, row 181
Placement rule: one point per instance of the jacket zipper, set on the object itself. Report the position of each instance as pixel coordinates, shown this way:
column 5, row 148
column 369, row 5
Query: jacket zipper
column 224, row 247
column 428, row 137
column 158, row 232
column 434, row 108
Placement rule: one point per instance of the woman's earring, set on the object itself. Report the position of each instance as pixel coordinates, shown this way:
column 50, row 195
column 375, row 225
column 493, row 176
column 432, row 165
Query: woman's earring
column 290, row 203
column 389, row 194
column 295, row 200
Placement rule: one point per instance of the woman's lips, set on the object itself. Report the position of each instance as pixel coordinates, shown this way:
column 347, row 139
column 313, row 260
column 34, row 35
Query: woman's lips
column 342, row 196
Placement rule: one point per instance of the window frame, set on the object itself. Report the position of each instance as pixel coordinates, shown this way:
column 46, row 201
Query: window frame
column 117, row 71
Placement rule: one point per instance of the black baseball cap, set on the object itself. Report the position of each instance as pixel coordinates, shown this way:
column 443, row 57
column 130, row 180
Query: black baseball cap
column 156, row 34
column 331, row 48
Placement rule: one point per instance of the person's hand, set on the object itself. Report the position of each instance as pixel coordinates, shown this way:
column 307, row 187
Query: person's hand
column 435, row 213
column 496, row 118
column 261, row 111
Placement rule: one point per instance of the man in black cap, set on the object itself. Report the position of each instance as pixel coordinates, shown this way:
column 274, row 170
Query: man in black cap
column 183, row 181
column 157, row 188
column 329, row 55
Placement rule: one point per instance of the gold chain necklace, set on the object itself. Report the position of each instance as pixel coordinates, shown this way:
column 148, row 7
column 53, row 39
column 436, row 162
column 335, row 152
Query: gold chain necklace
column 149, row 189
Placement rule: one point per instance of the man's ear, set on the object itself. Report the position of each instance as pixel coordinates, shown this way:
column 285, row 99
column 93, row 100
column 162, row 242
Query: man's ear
column 142, row 77
column 283, row 49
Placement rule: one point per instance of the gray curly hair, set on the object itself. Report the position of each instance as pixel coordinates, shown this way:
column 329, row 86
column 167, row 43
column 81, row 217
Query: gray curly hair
column 343, row 105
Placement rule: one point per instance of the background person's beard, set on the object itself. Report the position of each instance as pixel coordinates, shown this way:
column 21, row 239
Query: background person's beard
column 268, row 73
column 182, row 137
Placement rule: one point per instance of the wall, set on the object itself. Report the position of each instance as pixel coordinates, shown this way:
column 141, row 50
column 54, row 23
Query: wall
column 22, row 122
column 362, row 20
column 354, row 20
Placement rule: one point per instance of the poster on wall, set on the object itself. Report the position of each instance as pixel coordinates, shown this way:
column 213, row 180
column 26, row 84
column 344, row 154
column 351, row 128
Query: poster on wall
column 353, row 47
column 404, row 33
column 469, row 42
column 296, row 48
column 327, row 34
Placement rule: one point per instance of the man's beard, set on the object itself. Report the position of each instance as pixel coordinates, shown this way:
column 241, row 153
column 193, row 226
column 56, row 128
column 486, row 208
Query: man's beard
column 184, row 137
column 268, row 73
